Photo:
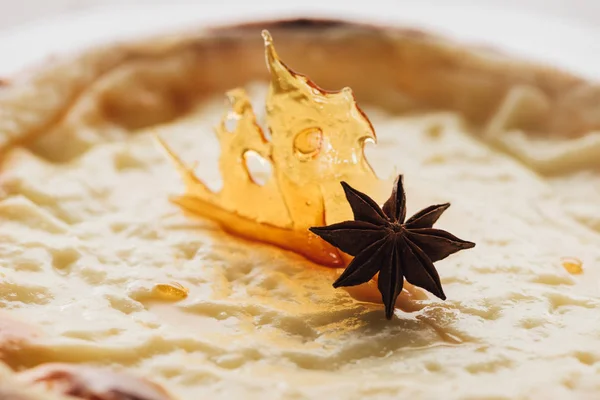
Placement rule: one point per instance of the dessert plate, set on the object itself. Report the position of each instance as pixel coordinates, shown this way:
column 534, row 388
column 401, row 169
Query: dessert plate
column 109, row 290
column 538, row 37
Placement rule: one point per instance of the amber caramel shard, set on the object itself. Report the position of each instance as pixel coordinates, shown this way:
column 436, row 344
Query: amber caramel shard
column 317, row 140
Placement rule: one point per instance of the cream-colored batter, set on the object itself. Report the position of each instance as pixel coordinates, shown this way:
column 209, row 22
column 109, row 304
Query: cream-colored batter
column 84, row 240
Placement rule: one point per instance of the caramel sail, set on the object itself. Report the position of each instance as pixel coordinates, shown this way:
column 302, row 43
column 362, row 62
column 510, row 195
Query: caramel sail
column 316, row 140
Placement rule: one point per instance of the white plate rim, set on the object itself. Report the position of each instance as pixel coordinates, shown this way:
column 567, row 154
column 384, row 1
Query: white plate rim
column 549, row 40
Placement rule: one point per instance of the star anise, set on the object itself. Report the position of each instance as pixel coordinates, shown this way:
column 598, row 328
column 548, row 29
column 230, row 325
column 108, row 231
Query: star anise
column 381, row 241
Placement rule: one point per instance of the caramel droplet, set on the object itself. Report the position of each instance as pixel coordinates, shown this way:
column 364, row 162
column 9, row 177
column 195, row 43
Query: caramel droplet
column 171, row 291
column 572, row 265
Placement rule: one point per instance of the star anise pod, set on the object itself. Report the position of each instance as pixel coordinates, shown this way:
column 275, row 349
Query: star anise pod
column 381, row 241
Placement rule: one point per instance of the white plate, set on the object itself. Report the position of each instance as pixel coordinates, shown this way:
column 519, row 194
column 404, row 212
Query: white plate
column 545, row 39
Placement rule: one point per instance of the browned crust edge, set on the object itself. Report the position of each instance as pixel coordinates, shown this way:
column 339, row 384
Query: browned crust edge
column 433, row 73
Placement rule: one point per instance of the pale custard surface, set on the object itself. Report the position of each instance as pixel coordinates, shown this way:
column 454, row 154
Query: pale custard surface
column 83, row 241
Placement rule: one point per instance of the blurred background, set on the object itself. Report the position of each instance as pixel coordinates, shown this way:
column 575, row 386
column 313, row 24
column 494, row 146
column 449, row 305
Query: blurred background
column 17, row 12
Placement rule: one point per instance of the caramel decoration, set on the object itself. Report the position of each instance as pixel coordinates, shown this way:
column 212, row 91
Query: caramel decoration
column 316, row 140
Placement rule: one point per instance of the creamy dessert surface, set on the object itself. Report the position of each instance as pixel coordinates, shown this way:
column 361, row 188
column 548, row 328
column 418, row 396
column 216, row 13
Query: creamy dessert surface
column 84, row 239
